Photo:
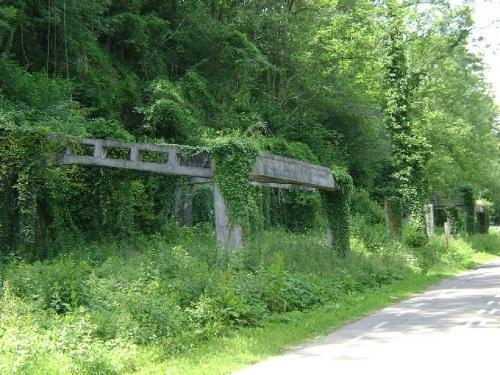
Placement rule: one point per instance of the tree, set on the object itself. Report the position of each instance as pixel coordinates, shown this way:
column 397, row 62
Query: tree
column 409, row 148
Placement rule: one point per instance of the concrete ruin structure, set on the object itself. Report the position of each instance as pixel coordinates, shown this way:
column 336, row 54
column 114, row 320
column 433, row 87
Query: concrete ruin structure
column 455, row 201
column 269, row 170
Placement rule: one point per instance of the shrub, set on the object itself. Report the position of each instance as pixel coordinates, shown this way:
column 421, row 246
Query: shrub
column 87, row 313
column 62, row 284
column 413, row 235
column 299, row 293
column 57, row 285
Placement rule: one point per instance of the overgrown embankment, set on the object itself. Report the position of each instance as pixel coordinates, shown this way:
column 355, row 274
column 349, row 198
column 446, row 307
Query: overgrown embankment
column 127, row 306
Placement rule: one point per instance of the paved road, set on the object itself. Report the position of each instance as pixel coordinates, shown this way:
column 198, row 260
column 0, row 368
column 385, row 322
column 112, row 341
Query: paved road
column 453, row 328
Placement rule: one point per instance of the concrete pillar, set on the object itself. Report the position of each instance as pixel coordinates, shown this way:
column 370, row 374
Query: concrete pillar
column 184, row 204
column 100, row 151
column 429, row 219
column 447, row 233
column 482, row 218
column 329, row 233
column 229, row 235
column 135, row 155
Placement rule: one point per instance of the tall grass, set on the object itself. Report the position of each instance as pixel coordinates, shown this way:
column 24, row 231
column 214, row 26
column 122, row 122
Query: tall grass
column 93, row 309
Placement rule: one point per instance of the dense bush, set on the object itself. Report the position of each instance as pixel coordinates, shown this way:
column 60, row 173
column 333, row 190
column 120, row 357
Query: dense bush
column 91, row 310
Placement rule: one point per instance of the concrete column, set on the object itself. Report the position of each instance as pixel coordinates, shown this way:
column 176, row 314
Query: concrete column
column 100, row 151
column 329, row 233
column 482, row 218
column 172, row 156
column 447, row 233
column 184, row 204
column 134, row 154
column 229, row 235
column 429, row 219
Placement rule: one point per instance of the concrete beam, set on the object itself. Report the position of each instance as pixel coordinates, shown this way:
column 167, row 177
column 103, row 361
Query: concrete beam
column 275, row 171
column 201, row 180
column 172, row 169
column 278, row 169
column 275, row 185
column 177, row 163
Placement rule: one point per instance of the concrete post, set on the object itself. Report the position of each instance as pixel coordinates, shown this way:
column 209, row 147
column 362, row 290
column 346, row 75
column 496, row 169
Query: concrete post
column 429, row 219
column 229, row 235
column 184, row 204
column 100, row 152
column 482, row 218
column 329, row 233
column 447, row 233
column 135, row 155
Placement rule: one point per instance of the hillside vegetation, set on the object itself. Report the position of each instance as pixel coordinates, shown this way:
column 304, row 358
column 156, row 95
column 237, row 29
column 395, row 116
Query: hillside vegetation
column 98, row 276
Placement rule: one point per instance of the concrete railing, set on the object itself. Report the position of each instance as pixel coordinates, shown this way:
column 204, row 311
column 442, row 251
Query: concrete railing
column 269, row 170
column 171, row 159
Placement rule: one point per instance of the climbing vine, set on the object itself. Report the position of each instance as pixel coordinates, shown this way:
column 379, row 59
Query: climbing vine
column 337, row 206
column 43, row 210
column 410, row 149
column 483, row 216
column 36, row 200
column 234, row 159
column 394, row 214
column 469, row 206
column 23, row 155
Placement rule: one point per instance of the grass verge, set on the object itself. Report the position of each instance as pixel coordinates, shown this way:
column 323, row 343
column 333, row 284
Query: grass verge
column 179, row 305
column 226, row 354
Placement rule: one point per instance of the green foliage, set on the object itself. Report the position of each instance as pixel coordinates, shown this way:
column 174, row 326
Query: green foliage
column 364, row 205
column 409, row 148
column 97, row 308
column 44, row 208
column 483, row 221
column 392, row 92
column 394, row 211
column 168, row 115
column 470, row 209
column 412, row 235
column 362, row 84
column 367, row 220
column 95, row 311
column 337, row 206
column 234, row 159
column 22, row 155
column 58, row 285
column 294, row 150
column 455, row 218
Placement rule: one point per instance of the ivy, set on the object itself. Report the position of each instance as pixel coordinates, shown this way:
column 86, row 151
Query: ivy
column 483, row 217
column 234, row 160
column 23, row 155
column 453, row 218
column 410, row 149
column 394, row 215
column 469, row 206
column 337, row 206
